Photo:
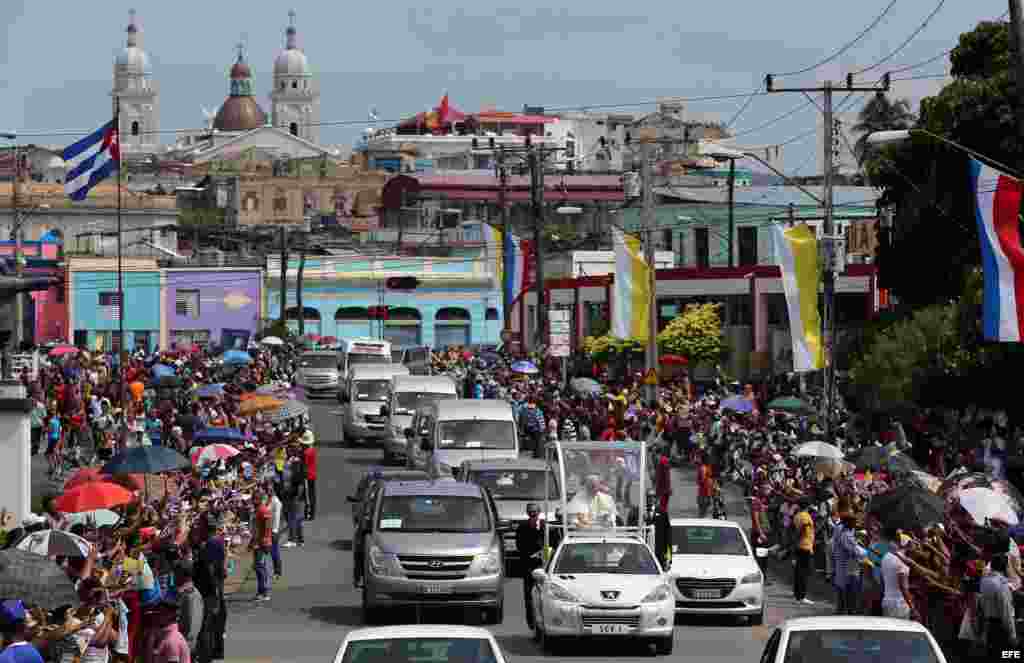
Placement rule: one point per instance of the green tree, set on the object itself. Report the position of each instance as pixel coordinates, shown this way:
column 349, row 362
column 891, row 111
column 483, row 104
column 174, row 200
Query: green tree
column 880, row 114
column 695, row 334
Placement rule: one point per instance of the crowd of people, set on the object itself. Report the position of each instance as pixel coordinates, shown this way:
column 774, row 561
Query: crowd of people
column 148, row 578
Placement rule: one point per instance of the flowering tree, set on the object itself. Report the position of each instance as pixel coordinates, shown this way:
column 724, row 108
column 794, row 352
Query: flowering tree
column 695, row 334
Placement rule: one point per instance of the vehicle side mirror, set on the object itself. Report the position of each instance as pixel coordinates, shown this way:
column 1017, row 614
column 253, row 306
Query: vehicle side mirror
column 409, row 433
column 352, row 499
column 539, row 576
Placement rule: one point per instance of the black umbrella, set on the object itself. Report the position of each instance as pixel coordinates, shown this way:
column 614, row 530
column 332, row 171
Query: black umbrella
column 146, row 460
column 883, row 458
column 34, row 579
column 167, row 382
column 908, row 508
column 190, row 422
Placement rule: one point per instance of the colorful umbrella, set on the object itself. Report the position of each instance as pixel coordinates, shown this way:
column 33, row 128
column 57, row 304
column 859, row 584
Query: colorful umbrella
column 259, row 403
column 819, row 450
column 84, row 475
column 237, row 357
column 213, row 453
column 97, row 518
column 677, row 360
column 790, row 404
column 91, row 496
column 288, row 410
column 51, row 542
column 524, row 367
column 738, row 404
column 145, row 460
column 210, row 391
column 271, row 340
column 61, row 350
column 163, row 370
column 36, row 580
column 220, row 435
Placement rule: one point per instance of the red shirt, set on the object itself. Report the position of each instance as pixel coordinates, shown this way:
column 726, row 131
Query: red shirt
column 309, row 456
column 704, row 481
column 265, row 530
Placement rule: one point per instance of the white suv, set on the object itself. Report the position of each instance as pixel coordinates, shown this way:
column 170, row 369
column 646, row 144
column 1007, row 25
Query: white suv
column 603, row 587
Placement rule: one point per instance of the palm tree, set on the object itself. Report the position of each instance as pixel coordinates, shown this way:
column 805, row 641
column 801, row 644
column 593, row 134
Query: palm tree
column 880, row 114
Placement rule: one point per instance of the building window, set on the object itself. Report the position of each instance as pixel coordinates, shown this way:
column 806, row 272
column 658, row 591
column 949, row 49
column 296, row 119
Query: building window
column 110, row 305
column 702, row 250
column 251, row 202
column 135, row 128
column 295, row 85
column 142, row 339
column 186, row 338
column 284, row 85
column 747, row 246
column 293, row 128
column 281, row 204
column 186, row 303
column 666, row 240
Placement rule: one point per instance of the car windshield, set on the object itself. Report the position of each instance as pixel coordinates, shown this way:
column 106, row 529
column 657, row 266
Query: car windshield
column 367, row 359
column 858, row 646
column 420, row 650
column 626, row 558
column 693, row 540
column 406, row 402
column 521, row 485
column 319, row 361
column 372, row 390
column 433, row 513
column 478, row 434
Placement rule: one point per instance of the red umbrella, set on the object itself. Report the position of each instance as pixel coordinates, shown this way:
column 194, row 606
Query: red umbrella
column 129, row 481
column 84, row 475
column 91, row 496
column 677, row 360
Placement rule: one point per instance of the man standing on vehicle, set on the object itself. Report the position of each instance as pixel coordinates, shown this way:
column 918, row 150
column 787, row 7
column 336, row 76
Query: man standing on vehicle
column 530, row 545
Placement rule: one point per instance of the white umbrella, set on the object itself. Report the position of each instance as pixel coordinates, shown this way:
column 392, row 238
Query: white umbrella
column 272, row 340
column 99, row 518
column 984, row 504
column 819, row 450
column 55, row 542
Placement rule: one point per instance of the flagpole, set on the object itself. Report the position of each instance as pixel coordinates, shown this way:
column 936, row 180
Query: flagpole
column 122, row 437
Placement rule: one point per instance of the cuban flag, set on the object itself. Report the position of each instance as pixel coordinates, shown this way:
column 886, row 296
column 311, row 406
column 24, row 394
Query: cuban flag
column 91, row 160
column 997, row 197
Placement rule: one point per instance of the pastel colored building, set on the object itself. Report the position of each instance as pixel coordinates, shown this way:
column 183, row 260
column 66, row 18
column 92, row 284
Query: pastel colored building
column 219, row 306
column 94, row 306
column 46, row 318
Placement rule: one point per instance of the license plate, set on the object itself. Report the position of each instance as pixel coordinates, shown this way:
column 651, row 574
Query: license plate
column 510, row 544
column 436, row 589
column 610, row 629
column 705, row 594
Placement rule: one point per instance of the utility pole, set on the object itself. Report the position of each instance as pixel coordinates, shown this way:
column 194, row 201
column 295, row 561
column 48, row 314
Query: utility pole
column 535, row 159
column 298, row 288
column 828, row 231
column 284, row 276
column 506, row 302
column 648, row 136
column 732, row 212
column 19, row 259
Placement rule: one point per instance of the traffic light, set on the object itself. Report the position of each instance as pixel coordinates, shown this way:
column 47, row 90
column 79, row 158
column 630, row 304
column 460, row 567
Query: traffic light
column 402, row 283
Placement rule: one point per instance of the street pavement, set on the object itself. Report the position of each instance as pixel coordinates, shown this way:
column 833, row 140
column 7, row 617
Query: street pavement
column 315, row 604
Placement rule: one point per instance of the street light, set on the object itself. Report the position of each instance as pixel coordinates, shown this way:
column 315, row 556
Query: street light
column 902, row 135
column 723, row 153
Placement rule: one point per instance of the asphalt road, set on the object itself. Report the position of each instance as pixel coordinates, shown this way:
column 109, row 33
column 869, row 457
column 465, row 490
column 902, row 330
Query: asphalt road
column 315, row 604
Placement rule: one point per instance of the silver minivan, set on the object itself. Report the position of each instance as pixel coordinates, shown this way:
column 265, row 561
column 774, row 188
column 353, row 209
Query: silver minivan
column 408, row 394
column 434, row 543
column 448, row 433
column 365, row 396
column 318, row 372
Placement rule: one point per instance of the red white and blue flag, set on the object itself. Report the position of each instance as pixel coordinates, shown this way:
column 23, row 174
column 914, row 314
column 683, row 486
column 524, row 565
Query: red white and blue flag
column 91, row 160
column 997, row 197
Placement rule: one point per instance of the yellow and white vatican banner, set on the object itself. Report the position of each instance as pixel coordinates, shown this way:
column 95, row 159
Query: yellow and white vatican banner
column 631, row 301
column 796, row 250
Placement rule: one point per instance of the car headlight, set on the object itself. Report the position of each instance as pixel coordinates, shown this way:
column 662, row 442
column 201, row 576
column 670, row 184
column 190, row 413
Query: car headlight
column 751, row 578
column 658, row 594
column 488, row 564
column 559, row 593
column 384, row 564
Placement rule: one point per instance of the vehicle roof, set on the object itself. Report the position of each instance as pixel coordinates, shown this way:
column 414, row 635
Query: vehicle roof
column 850, row 622
column 703, row 522
column 376, row 371
column 439, row 488
column 396, row 473
column 461, row 408
column 612, row 538
column 506, row 464
column 329, row 353
column 424, row 380
column 418, row 631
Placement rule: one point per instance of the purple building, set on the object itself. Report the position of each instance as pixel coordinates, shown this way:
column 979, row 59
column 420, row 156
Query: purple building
column 218, row 306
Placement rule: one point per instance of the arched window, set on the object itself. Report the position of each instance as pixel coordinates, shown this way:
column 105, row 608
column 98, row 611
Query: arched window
column 492, row 313
column 452, row 314
column 403, row 326
column 309, row 313
column 135, row 128
column 295, row 85
column 451, row 327
column 293, row 128
column 352, row 314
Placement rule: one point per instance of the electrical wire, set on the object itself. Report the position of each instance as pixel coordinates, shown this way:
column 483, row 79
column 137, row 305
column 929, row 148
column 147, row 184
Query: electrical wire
column 742, row 109
column 905, row 42
column 847, row 46
column 775, row 120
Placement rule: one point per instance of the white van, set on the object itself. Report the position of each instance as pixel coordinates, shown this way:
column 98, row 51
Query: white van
column 366, row 391
column 361, row 351
column 449, row 432
column 408, row 394
column 318, row 372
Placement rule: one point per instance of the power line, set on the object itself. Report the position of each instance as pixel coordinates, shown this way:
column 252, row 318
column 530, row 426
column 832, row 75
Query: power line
column 743, row 108
column 775, row 120
column 845, row 47
column 906, row 41
column 934, row 58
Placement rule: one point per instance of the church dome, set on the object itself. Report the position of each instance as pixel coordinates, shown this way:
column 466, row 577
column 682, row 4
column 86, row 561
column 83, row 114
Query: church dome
column 292, row 61
column 239, row 114
column 133, row 59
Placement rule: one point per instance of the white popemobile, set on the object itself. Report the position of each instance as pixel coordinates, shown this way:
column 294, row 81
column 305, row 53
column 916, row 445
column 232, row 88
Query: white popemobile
column 603, row 579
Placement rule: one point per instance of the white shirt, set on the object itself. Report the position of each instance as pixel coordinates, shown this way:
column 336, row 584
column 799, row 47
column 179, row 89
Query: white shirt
column 275, row 514
column 892, row 568
column 1013, row 565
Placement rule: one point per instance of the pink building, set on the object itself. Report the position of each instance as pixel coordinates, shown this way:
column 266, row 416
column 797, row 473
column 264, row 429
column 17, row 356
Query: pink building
column 48, row 317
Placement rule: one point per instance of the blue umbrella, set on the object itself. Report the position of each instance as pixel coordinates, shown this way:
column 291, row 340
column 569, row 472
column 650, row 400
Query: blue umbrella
column 525, row 367
column 145, row 460
column 237, row 357
column 738, row 404
column 163, row 370
column 210, row 391
column 220, row 435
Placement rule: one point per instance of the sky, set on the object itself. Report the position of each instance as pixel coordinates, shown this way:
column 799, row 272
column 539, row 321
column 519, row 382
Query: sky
column 56, row 63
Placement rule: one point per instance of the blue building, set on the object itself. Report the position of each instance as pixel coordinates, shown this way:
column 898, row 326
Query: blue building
column 458, row 301
column 93, row 303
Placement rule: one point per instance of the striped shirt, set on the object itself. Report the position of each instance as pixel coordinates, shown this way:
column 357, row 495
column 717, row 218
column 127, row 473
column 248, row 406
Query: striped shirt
column 846, row 555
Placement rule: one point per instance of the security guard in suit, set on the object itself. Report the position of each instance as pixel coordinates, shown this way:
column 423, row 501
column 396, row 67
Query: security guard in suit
column 530, row 545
